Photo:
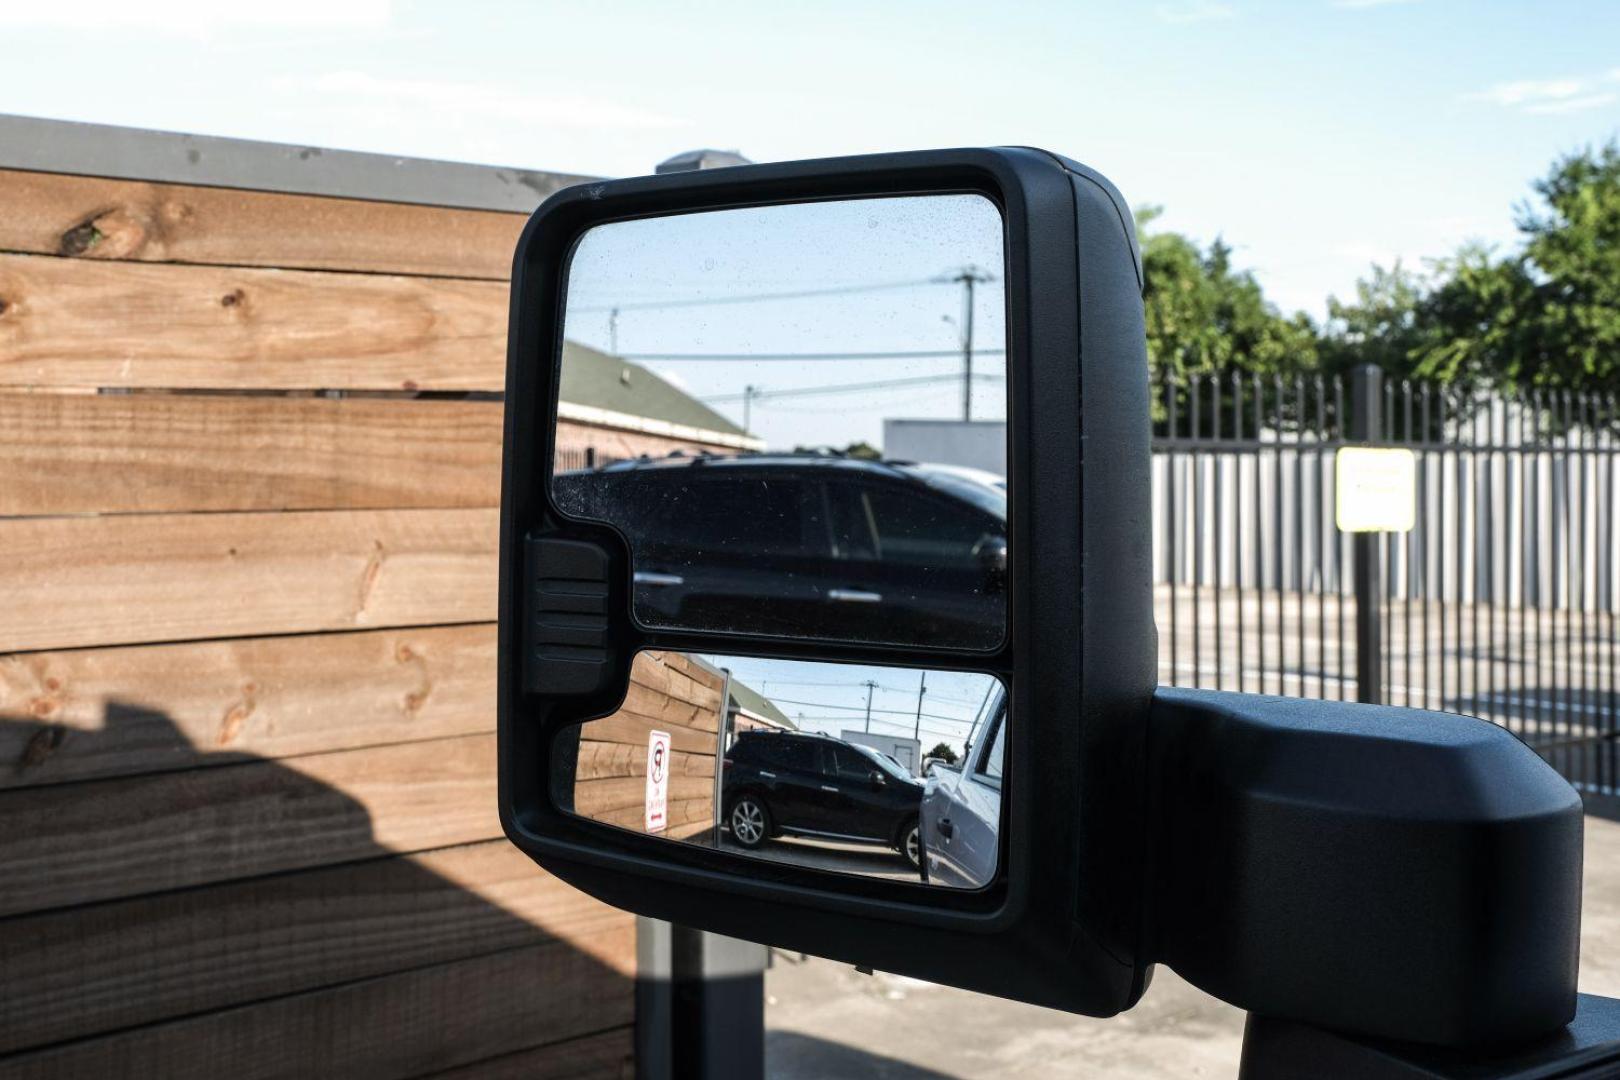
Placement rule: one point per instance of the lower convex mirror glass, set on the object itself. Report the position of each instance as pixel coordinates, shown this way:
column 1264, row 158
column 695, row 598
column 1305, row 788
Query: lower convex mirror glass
column 884, row 772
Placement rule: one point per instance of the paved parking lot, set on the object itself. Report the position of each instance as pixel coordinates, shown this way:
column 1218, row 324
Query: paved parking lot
column 826, row 1021
column 868, row 860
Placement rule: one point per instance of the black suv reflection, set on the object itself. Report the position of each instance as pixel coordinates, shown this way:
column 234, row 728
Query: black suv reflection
column 808, row 546
column 797, row 784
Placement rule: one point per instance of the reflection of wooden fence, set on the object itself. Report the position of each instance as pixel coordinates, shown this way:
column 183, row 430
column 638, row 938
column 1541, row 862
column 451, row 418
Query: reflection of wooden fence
column 247, row 787
column 669, row 692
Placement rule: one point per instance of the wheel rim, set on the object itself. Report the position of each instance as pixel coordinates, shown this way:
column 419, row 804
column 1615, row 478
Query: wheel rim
column 912, row 851
column 748, row 822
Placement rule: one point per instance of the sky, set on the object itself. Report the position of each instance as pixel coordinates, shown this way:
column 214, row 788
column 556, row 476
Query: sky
column 831, row 698
column 1316, row 136
column 847, row 311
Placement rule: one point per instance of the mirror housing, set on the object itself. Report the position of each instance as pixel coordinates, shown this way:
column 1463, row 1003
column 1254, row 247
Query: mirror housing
column 1058, row 931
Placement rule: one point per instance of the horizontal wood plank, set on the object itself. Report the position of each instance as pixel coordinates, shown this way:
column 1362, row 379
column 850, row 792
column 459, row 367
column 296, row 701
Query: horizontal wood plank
column 85, row 713
column 103, row 839
column 423, row 1021
column 159, row 453
column 161, row 577
column 609, row 1055
column 86, row 970
column 97, row 218
column 72, row 323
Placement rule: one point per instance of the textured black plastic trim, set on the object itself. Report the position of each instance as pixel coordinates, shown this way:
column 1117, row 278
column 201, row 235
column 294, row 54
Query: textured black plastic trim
column 1399, row 873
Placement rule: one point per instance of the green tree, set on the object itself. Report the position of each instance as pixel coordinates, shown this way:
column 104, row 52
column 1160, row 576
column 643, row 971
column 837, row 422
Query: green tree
column 944, row 752
column 1544, row 317
column 1203, row 316
column 1382, row 326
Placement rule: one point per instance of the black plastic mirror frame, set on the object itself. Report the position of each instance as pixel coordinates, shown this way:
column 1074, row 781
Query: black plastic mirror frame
column 1060, row 924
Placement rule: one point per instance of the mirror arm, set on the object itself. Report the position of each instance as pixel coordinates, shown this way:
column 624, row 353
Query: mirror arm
column 1387, row 872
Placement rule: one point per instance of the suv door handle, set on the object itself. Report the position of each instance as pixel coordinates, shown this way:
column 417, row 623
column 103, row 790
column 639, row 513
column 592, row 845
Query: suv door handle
column 649, row 577
column 829, row 787
column 767, row 775
column 946, row 829
column 854, row 596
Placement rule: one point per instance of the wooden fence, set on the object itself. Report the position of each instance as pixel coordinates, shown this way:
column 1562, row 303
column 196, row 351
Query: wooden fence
column 247, row 786
column 674, row 693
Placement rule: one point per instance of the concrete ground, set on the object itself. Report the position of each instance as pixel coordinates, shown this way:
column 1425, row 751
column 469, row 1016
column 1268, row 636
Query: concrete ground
column 825, row 1021
column 867, row 860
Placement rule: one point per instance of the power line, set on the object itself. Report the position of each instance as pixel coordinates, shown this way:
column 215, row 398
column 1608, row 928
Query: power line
column 755, row 393
column 924, row 354
column 753, row 298
column 875, row 711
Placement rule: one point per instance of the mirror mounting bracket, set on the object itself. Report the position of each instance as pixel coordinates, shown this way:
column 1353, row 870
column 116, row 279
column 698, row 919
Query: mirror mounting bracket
column 1387, row 872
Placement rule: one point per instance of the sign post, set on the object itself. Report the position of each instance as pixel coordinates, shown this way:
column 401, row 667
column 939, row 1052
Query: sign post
column 1375, row 492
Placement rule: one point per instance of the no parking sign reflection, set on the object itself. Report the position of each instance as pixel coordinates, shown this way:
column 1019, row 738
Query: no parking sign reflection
column 657, row 781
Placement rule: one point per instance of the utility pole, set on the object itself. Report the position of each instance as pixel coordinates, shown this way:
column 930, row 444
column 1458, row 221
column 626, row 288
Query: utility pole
column 749, row 394
column 968, row 277
column 922, row 688
column 613, row 331
column 870, row 686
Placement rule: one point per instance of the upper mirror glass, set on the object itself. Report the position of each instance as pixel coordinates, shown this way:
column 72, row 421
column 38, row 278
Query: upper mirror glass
column 797, row 416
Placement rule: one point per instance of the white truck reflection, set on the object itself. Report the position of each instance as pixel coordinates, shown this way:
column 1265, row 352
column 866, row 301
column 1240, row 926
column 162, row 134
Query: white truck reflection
column 961, row 807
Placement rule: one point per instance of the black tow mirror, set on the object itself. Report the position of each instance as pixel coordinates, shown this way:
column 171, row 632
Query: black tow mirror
column 716, row 577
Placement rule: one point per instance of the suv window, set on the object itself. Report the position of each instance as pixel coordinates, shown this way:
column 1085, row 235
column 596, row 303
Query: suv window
column 851, row 764
column 884, row 521
column 717, row 514
column 796, row 754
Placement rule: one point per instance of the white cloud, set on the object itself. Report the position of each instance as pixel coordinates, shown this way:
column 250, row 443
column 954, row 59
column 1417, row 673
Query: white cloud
column 1550, row 96
column 1529, row 91
column 1194, row 11
column 487, row 102
column 1574, row 104
column 194, row 17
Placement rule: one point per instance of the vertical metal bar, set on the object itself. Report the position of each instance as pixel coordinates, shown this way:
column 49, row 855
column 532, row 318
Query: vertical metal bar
column 1386, row 543
column 1299, row 529
column 1277, row 526
column 1571, row 755
column 1588, row 745
column 1237, row 520
column 1476, row 549
column 1526, row 522
column 1218, row 516
column 1537, row 420
column 1497, row 517
column 1411, row 551
column 1338, row 538
column 1457, row 574
column 1319, row 490
column 1366, row 400
column 1611, row 713
column 1428, row 523
column 1197, row 519
column 1172, row 532
column 1259, row 541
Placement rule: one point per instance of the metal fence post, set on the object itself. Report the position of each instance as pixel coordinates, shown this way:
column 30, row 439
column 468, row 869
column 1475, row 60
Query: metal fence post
column 1367, row 425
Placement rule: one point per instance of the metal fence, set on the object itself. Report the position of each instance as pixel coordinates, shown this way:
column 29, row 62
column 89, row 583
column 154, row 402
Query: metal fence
column 1500, row 603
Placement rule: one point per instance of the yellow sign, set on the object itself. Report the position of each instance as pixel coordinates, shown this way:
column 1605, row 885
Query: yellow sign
column 1377, row 490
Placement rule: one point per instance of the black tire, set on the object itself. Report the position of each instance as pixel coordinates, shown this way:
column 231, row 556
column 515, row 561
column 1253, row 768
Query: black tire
column 910, row 845
column 749, row 821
